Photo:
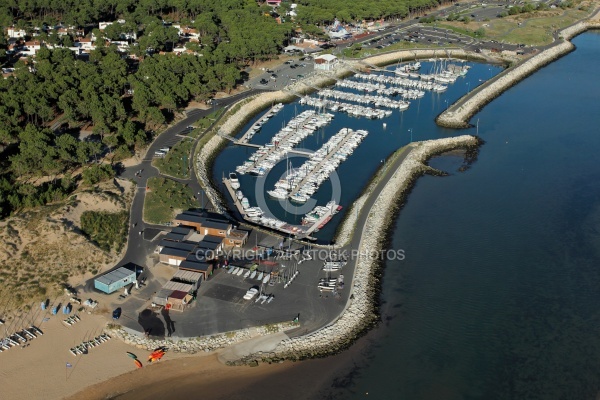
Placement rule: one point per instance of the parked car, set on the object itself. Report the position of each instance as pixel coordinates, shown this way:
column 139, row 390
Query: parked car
column 117, row 313
column 273, row 76
column 263, row 81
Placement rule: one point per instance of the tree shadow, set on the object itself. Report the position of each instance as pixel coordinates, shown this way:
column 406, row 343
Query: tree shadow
column 170, row 323
column 152, row 324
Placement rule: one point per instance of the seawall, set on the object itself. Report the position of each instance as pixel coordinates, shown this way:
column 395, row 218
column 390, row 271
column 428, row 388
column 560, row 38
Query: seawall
column 458, row 115
column 361, row 312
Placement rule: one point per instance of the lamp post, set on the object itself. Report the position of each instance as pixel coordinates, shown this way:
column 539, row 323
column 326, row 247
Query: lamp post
column 410, row 130
column 468, row 87
column 446, row 101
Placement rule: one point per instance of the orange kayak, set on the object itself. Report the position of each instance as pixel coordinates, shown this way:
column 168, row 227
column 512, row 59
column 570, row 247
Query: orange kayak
column 138, row 363
column 156, row 356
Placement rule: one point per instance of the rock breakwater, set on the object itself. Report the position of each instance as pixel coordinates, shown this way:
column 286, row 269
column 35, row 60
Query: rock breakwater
column 458, row 115
column 361, row 313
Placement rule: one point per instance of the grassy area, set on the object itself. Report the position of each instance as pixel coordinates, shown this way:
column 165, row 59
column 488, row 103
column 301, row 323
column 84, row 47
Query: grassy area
column 108, row 230
column 463, row 30
column 177, row 161
column 403, row 45
column 533, row 29
column 203, row 123
column 164, row 198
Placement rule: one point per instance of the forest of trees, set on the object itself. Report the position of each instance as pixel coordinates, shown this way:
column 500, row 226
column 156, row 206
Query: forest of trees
column 325, row 11
column 122, row 99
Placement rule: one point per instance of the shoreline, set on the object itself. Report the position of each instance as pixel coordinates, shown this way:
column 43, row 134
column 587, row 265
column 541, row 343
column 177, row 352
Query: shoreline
column 361, row 313
column 296, row 346
column 458, row 114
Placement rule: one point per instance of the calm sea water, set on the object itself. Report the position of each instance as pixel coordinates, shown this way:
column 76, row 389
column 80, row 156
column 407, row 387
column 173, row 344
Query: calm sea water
column 499, row 295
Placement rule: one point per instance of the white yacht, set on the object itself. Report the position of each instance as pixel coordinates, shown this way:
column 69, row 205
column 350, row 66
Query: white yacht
column 278, row 193
column 233, row 179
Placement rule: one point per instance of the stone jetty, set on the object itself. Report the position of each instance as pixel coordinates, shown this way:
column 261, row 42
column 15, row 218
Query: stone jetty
column 361, row 312
column 458, row 115
column 197, row 344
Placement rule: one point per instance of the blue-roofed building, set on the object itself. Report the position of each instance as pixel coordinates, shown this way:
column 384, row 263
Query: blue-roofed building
column 115, row 280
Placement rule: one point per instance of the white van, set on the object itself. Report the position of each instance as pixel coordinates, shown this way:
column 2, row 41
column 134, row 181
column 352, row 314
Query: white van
column 159, row 153
column 165, row 149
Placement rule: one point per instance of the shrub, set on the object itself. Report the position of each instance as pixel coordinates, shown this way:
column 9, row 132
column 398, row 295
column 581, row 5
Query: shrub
column 98, row 173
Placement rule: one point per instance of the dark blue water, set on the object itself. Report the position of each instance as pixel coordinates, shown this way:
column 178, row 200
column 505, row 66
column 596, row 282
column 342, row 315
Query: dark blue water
column 499, row 295
column 416, row 122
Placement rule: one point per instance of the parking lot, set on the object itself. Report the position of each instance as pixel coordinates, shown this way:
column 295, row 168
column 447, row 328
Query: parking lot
column 284, row 74
column 220, row 306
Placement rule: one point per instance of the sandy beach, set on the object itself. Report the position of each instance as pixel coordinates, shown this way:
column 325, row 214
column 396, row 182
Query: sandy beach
column 205, row 376
column 39, row 371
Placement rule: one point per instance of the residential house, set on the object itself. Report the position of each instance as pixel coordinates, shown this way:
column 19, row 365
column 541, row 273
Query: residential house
column 86, row 44
column 16, row 33
column 31, row 47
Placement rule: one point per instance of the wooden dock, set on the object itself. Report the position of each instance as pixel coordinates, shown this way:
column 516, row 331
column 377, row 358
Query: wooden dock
column 321, row 221
column 237, row 203
column 244, row 139
column 330, row 153
column 298, row 231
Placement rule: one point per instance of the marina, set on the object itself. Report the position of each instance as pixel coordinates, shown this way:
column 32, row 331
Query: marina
column 283, row 142
column 312, row 222
column 302, row 183
column 285, row 185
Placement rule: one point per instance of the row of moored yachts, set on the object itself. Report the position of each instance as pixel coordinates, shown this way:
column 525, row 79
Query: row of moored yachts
column 381, row 89
column 377, row 101
column 402, row 82
column 301, row 183
column 351, row 109
column 258, row 124
column 268, row 155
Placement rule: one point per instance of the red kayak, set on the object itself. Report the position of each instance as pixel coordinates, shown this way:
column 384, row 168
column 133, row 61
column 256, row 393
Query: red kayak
column 138, row 363
column 156, row 356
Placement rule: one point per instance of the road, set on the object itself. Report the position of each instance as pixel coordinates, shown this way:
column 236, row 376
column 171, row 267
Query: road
column 138, row 245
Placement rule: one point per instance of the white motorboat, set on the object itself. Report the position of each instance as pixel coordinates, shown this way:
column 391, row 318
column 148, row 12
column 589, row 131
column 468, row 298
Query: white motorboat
column 245, row 203
column 233, row 180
